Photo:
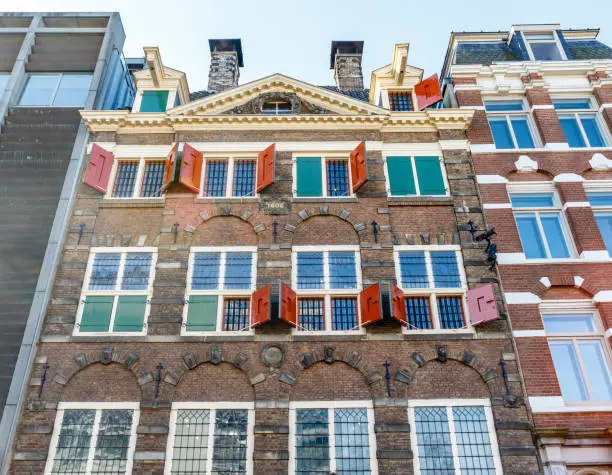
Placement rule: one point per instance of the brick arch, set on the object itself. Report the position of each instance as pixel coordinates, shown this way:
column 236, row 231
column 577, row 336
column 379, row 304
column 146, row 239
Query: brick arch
column 540, row 174
column 213, row 382
column 333, row 381
column 567, row 280
column 297, row 222
column 101, row 382
column 231, row 229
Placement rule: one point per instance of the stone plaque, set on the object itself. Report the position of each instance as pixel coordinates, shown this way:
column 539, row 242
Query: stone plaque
column 274, row 206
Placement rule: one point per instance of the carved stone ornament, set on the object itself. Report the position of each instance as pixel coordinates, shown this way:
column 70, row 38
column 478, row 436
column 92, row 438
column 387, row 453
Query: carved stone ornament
column 328, row 354
column 215, row 354
column 273, row 355
column 290, row 97
column 441, row 353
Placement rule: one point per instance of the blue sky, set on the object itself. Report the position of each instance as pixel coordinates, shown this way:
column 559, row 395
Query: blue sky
column 294, row 37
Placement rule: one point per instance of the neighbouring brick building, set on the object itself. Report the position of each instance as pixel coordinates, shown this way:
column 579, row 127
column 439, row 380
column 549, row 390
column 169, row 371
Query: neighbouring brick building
column 541, row 147
column 276, row 277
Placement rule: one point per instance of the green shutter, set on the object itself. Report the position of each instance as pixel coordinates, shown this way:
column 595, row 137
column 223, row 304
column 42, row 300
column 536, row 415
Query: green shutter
column 130, row 313
column 154, row 101
column 429, row 174
column 202, row 313
column 401, row 179
column 97, row 314
column 309, row 178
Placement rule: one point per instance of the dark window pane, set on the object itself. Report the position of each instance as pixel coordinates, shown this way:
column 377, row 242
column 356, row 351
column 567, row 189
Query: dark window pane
column 352, row 444
column 413, row 270
column 344, row 313
column 337, row 178
column 400, row 101
column 417, row 313
column 206, row 271
column 450, row 311
column 125, row 179
column 73, row 442
column 230, row 446
column 236, row 315
column 216, row 178
column 473, row 443
column 136, row 271
column 190, row 449
column 312, row 314
column 433, row 440
column 153, row 179
column 445, row 269
column 311, row 441
column 113, row 442
column 104, row 271
column 342, row 272
column 238, row 266
column 244, row 178
column 310, row 270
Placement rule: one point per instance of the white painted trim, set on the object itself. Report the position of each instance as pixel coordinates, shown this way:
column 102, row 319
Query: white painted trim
column 595, row 255
column 497, row 206
column 448, row 402
column 557, row 147
column 485, row 148
column 542, row 106
column 603, row 296
column 528, row 333
column 533, row 187
column 521, row 298
column 568, row 178
column 545, row 281
column 509, row 258
column 454, row 144
column 231, row 160
column 416, row 148
column 491, row 179
column 554, row 404
column 608, row 333
column 576, row 204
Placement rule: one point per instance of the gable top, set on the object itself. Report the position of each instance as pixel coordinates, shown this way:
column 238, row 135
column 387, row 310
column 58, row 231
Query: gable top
column 158, row 76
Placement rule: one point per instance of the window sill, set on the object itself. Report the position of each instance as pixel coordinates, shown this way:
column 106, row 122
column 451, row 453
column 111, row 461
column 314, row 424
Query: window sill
column 490, row 148
column 132, row 203
column 419, row 200
column 317, row 199
column 227, row 199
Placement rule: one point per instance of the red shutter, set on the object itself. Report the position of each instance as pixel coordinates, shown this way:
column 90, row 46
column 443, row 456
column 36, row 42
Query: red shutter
column 482, row 304
column 265, row 168
column 99, row 168
column 371, row 305
column 398, row 307
column 428, row 92
column 359, row 169
column 287, row 307
column 260, row 306
column 191, row 168
column 170, row 167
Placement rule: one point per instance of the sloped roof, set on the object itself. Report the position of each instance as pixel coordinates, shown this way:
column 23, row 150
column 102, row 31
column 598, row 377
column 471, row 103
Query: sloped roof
column 589, row 50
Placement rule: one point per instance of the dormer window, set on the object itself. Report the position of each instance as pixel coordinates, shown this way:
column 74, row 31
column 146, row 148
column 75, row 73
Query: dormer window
column 544, row 47
column 400, row 101
column 154, row 101
column 276, row 107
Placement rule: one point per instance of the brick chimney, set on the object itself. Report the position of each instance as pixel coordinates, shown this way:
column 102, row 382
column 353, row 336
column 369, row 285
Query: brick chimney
column 225, row 63
column 345, row 60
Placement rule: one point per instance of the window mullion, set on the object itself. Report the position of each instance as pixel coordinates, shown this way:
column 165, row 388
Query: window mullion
column 326, row 283
column 453, row 439
column 332, row 440
column 324, row 176
column 429, row 267
column 93, row 442
column 509, row 122
column 111, row 322
column 229, row 187
column 542, row 234
column 139, row 178
column 585, row 377
column 417, row 186
column 433, row 308
column 211, row 440
column 120, row 271
column 328, row 315
column 54, row 93
column 203, row 178
column 582, row 131
column 222, row 263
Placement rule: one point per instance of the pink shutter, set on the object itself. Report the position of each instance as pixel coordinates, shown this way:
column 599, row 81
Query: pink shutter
column 99, row 168
column 428, row 92
column 482, row 304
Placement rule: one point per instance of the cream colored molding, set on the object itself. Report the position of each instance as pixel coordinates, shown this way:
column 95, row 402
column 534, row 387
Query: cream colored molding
column 524, row 164
column 491, row 179
column 545, row 281
column 454, row 144
column 568, row 178
column 599, row 162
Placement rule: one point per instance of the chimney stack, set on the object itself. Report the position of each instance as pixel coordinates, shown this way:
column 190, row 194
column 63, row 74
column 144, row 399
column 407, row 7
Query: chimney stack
column 345, row 60
column 225, row 63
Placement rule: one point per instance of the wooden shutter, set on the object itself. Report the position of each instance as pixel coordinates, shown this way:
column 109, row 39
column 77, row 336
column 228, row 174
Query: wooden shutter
column 428, row 92
column 170, row 167
column 202, row 313
column 96, row 314
column 398, row 306
column 287, row 307
column 371, row 305
column 359, row 169
column 129, row 316
column 265, row 168
column 401, row 179
column 482, row 304
column 260, row 306
column 99, row 168
column 429, row 174
column 191, row 168
column 309, row 178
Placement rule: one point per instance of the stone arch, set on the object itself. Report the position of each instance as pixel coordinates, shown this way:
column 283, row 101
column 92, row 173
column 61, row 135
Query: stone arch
column 574, row 286
column 102, row 383
column 296, row 228
column 223, row 230
column 539, row 175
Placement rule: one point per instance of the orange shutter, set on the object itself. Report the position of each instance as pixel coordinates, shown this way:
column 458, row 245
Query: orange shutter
column 287, row 308
column 260, row 306
column 191, row 168
column 265, row 168
column 398, row 307
column 99, row 168
column 371, row 305
column 428, row 92
column 170, row 167
column 359, row 169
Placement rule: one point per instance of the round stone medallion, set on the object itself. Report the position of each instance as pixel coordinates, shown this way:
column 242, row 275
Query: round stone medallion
column 273, row 355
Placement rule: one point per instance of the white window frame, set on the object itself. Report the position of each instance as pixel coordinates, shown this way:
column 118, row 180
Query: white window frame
column 117, row 292
column 508, row 115
column 579, row 307
column 325, row 157
column 220, row 292
column 412, row 94
column 276, row 102
column 433, row 292
column 555, row 39
column 172, row 94
column 98, row 407
column 577, row 113
column 602, row 187
column 326, row 293
column 212, row 407
column 138, row 182
column 449, row 404
column 557, row 208
column 330, row 406
column 417, row 186
column 57, row 85
column 231, row 159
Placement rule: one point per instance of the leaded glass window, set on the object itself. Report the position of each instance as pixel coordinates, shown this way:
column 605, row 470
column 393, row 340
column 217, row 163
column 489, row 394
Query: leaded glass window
column 236, row 314
column 311, row 314
column 143, row 178
column 229, row 177
column 325, row 176
column 244, row 177
column 337, row 178
column 153, row 179
column 216, row 178
column 125, row 179
column 400, row 101
column 344, row 313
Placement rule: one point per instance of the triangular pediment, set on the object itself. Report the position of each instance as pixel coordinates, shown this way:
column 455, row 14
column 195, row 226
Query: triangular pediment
column 245, row 99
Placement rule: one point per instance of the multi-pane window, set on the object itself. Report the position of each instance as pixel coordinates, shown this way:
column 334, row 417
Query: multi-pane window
column 117, row 289
column 327, row 176
column 544, row 46
column 434, row 286
column 210, row 439
column 327, row 281
column 335, row 437
column 407, row 176
column 541, row 225
column 601, row 202
column 400, row 101
column 229, row 177
column 580, row 122
column 93, row 438
column 219, row 287
column 154, row 101
column 578, row 349
column 451, row 437
column 139, row 178
column 56, row 90
column 510, row 124
column 276, row 107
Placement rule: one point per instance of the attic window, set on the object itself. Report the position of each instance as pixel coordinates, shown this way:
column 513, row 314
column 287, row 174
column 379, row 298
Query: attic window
column 400, row 101
column 544, row 47
column 276, row 107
